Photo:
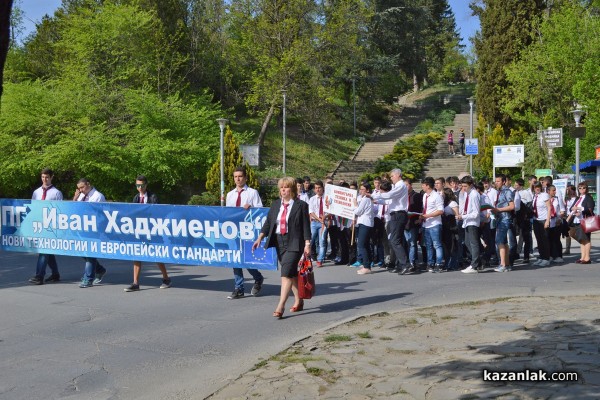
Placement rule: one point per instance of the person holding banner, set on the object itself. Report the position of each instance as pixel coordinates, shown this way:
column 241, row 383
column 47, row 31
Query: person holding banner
column 94, row 272
column 287, row 228
column 46, row 192
column 144, row 196
column 244, row 196
column 364, row 223
column 318, row 222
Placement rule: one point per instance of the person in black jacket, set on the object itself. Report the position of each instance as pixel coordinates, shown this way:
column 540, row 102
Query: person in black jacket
column 287, row 228
column 582, row 207
column 144, row 196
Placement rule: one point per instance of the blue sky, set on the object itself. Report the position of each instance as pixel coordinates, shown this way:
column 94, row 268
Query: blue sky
column 35, row 9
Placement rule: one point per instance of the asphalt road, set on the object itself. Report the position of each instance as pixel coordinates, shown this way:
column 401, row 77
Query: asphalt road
column 59, row 341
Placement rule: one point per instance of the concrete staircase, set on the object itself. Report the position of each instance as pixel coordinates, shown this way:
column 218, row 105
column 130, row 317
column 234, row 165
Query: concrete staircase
column 382, row 143
column 442, row 164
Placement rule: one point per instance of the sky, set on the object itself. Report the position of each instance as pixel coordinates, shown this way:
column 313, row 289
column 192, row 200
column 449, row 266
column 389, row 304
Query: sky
column 34, row 10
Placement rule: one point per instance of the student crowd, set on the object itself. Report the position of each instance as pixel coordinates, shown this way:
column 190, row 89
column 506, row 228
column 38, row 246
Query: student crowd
column 456, row 224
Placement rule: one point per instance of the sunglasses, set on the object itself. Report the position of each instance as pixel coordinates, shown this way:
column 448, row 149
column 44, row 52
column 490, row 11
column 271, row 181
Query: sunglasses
column 139, row 185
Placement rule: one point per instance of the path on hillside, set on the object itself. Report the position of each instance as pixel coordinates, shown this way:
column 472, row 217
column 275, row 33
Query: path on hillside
column 402, row 124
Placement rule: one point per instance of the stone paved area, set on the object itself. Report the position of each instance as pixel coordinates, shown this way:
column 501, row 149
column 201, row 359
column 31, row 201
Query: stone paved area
column 439, row 353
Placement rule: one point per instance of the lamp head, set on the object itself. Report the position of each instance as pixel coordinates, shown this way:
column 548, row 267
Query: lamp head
column 222, row 122
column 471, row 101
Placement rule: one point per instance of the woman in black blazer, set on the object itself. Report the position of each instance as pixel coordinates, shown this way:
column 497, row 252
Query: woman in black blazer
column 583, row 207
column 287, row 228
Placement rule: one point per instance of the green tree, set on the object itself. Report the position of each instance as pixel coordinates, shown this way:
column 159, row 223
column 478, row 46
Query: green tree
column 232, row 158
column 505, row 31
column 5, row 12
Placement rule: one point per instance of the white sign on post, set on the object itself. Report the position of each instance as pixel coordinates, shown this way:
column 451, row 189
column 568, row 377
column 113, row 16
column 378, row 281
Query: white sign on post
column 509, row 156
column 339, row 201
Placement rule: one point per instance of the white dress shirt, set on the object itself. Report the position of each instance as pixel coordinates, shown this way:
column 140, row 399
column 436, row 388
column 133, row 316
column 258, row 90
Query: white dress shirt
column 51, row 194
column 364, row 212
column 397, row 196
column 469, row 211
column 432, row 202
column 248, row 196
column 93, row 196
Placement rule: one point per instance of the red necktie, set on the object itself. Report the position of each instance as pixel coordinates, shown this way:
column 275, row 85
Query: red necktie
column 574, row 206
column 45, row 190
column 425, row 206
column 383, row 211
column 238, row 202
column 552, row 209
column 535, row 212
column 321, row 207
column 141, row 199
column 466, row 203
column 282, row 221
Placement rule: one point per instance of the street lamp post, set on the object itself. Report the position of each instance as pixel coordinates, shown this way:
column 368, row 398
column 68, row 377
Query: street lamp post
column 284, row 92
column 222, row 122
column 471, row 103
column 577, row 116
column 354, row 106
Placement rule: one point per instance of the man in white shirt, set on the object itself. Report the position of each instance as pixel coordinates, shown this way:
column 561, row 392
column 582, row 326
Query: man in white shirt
column 469, row 213
column 431, row 218
column 398, row 207
column 318, row 223
column 243, row 196
column 46, row 192
column 93, row 272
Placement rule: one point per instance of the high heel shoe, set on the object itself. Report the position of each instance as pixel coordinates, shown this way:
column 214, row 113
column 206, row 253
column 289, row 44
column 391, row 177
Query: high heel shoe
column 299, row 307
column 278, row 314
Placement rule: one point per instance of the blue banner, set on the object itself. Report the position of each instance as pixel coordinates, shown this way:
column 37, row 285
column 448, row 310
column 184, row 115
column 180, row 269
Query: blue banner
column 192, row 235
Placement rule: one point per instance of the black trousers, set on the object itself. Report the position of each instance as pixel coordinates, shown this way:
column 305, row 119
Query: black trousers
column 397, row 240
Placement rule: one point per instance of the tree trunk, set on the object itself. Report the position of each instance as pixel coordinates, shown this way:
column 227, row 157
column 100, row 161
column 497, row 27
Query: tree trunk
column 415, row 83
column 263, row 129
column 5, row 11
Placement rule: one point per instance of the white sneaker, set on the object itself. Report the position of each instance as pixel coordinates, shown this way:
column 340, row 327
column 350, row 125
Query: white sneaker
column 537, row 263
column 469, row 270
column 544, row 263
column 558, row 260
column 363, row 271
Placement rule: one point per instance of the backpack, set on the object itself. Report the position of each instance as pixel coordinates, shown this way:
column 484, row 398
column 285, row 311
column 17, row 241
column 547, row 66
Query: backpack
column 525, row 213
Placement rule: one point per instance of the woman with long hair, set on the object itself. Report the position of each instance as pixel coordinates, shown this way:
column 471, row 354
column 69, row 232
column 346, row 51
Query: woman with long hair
column 287, row 228
column 582, row 207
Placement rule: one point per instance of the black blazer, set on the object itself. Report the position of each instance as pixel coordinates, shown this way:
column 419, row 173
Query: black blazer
column 152, row 199
column 588, row 205
column 298, row 225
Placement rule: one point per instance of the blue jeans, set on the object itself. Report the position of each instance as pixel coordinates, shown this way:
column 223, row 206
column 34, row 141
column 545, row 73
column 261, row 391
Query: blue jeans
column 43, row 261
column 412, row 236
column 504, row 225
column 433, row 240
column 238, row 277
column 362, row 243
column 90, row 269
column 319, row 237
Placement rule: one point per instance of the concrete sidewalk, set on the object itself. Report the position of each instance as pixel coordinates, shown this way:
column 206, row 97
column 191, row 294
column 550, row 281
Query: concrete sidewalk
column 440, row 353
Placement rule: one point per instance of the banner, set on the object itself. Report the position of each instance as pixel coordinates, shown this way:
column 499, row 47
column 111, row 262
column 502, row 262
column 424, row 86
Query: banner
column 193, row 235
column 340, row 201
